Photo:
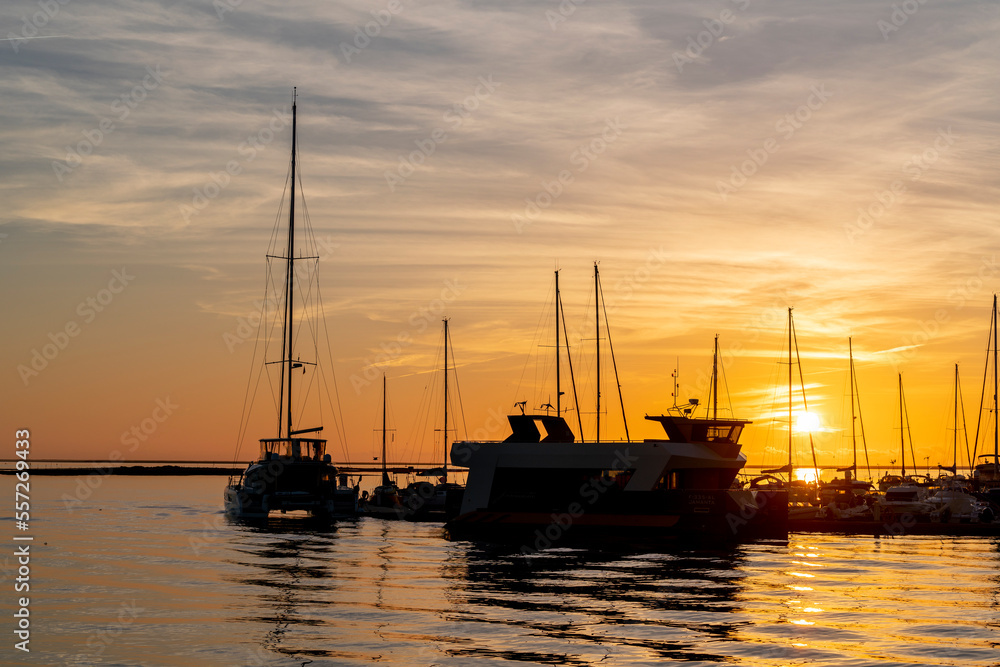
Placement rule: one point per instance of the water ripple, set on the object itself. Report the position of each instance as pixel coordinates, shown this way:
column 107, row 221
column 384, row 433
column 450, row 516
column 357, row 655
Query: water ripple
column 212, row 592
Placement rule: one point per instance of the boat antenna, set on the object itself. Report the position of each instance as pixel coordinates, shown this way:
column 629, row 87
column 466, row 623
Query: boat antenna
column 674, row 376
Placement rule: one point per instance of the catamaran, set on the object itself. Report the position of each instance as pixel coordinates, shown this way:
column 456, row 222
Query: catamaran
column 292, row 472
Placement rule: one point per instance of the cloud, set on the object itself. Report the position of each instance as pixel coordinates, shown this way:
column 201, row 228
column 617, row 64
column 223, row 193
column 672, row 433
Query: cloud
column 810, row 224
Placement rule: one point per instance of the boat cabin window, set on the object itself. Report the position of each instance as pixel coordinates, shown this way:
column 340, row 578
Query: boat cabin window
column 722, row 433
column 901, row 496
column 716, row 433
column 696, row 478
column 314, row 449
column 670, row 480
column 295, row 448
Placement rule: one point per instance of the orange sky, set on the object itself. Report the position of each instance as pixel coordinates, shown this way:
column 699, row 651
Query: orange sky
column 800, row 156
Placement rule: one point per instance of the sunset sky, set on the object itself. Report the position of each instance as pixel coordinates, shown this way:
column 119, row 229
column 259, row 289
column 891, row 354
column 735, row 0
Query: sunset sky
column 723, row 161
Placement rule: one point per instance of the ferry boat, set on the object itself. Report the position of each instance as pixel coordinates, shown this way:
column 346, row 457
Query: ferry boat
column 292, row 472
column 547, row 486
column 540, row 484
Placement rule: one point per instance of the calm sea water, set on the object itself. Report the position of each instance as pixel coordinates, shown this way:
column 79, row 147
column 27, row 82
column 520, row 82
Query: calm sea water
column 147, row 571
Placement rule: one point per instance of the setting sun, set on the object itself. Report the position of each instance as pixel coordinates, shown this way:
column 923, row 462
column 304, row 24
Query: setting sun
column 807, row 422
column 807, row 475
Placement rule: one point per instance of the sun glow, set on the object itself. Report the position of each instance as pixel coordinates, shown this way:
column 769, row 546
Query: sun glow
column 807, row 422
column 807, row 475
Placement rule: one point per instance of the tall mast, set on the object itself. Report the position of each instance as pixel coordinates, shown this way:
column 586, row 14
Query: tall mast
column 902, row 442
column 572, row 378
column 954, row 452
column 789, row 392
column 597, row 324
column 614, row 364
column 854, row 439
column 558, row 387
column 445, row 320
column 290, row 279
column 715, row 379
column 385, row 470
column 996, row 425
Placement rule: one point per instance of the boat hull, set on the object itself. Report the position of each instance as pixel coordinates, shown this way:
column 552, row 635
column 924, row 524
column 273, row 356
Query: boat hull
column 242, row 504
column 256, row 496
column 692, row 515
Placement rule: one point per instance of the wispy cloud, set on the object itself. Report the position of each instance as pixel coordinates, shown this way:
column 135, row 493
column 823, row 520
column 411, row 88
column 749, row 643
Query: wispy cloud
column 733, row 266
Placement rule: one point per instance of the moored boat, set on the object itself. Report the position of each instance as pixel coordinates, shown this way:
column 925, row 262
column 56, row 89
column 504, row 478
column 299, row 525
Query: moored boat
column 541, row 485
column 385, row 500
column 425, row 500
column 292, row 472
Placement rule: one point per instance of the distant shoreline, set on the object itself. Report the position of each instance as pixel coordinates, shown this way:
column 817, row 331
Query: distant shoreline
column 163, row 470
